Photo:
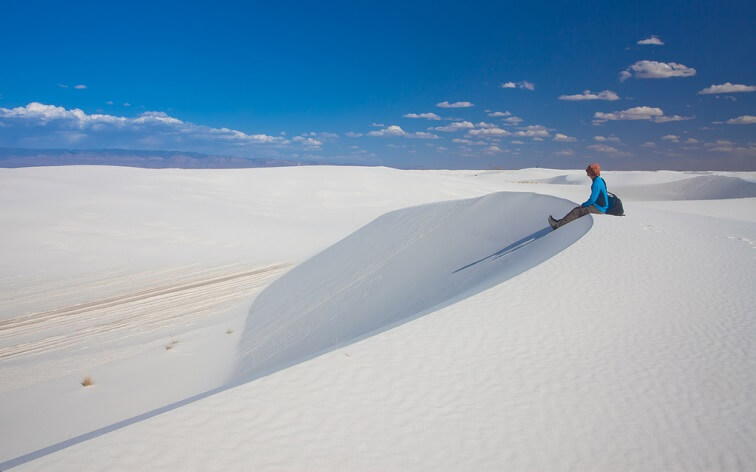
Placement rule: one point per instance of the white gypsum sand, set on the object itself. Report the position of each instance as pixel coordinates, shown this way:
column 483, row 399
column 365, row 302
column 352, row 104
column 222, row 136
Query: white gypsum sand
column 375, row 319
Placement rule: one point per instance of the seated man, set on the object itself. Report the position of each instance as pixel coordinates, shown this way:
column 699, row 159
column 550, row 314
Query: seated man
column 597, row 203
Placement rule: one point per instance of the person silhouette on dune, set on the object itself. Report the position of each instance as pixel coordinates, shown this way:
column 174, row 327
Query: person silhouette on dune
column 597, row 203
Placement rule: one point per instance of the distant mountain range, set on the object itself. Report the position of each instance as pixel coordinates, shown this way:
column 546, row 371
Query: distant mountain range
column 131, row 158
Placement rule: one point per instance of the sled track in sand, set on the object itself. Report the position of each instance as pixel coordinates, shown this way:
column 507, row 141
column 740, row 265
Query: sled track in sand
column 154, row 310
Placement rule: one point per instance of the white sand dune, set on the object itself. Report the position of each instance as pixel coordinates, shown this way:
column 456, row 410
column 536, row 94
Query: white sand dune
column 403, row 264
column 428, row 322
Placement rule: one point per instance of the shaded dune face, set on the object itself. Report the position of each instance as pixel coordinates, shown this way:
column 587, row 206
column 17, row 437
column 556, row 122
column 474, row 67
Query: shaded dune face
column 404, row 264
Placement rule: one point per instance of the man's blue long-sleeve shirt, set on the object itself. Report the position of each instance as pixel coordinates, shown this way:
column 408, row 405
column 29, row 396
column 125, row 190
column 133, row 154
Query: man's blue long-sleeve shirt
column 598, row 197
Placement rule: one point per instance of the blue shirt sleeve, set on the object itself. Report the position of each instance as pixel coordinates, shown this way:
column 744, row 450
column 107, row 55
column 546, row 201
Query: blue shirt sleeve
column 594, row 194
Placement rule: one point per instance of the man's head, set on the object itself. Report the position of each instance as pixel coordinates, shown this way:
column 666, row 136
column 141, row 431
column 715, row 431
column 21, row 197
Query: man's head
column 593, row 170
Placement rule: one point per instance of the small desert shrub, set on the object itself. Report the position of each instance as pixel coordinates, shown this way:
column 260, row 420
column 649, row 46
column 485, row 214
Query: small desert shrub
column 229, row 331
column 87, row 381
column 170, row 345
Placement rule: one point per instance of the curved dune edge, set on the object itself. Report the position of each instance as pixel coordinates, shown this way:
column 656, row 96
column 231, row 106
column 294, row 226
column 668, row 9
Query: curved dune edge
column 402, row 265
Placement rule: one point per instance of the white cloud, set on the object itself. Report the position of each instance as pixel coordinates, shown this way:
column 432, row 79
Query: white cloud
column 513, row 120
column 533, row 131
column 488, row 132
column 392, row 130
column 422, row 135
column 653, row 40
column 109, row 102
column 483, row 124
column 742, row 120
column 602, row 139
column 565, row 152
column 498, row 114
column 648, row 144
column 637, row 113
column 397, row 131
column 564, row 138
column 49, row 125
column 308, row 143
column 80, row 87
column 606, row 149
column 588, row 95
column 524, row 84
column 377, row 125
column 691, row 141
column 656, row 70
column 671, row 137
column 665, row 119
column 518, row 142
column 456, row 126
column 427, row 116
column 469, row 142
column 727, row 87
column 446, row 104
column 352, row 134
column 492, row 150
column 62, row 85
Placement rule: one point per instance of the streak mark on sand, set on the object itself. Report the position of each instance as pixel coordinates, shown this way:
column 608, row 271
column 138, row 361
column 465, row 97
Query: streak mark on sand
column 160, row 306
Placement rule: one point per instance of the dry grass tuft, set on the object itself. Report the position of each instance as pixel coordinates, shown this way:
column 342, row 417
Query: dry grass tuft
column 87, row 381
column 170, row 345
column 229, row 331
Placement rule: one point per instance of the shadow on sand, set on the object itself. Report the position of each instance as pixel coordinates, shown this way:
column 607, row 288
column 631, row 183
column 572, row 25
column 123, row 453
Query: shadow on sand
column 403, row 265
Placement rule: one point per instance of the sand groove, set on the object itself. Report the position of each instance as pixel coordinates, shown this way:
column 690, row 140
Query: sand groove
column 128, row 314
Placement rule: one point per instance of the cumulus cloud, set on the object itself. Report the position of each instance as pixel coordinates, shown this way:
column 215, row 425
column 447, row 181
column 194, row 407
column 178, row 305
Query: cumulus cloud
column 493, row 150
column 456, row 126
column 602, row 139
column 637, row 113
column 392, row 130
column 588, row 95
column 498, row 114
column 308, row 143
column 742, row 120
column 524, row 84
column 653, row 40
column 533, row 131
column 80, row 87
column 606, row 149
column 38, row 124
column 564, row 138
column 513, row 120
column 665, row 119
column 427, row 116
column 671, row 137
column 565, row 152
column 352, row 134
column 469, row 142
column 488, row 132
column 656, row 70
column 727, row 87
column 422, row 135
column 397, row 131
column 446, row 104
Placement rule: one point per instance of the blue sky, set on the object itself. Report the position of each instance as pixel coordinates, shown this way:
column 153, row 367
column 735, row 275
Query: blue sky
column 633, row 85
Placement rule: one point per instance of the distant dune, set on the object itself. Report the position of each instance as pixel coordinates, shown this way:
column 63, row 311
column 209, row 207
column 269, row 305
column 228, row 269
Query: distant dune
column 131, row 158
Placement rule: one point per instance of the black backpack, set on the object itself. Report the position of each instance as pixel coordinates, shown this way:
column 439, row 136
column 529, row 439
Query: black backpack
column 615, row 204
